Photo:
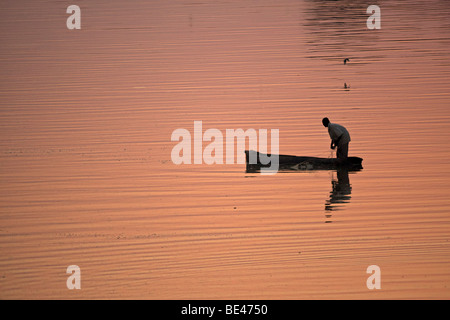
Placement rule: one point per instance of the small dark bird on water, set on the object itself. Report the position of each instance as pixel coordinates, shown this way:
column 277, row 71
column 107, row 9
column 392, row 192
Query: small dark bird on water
column 346, row 86
column 345, row 60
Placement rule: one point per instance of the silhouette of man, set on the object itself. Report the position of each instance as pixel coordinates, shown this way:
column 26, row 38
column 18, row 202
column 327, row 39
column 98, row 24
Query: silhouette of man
column 340, row 138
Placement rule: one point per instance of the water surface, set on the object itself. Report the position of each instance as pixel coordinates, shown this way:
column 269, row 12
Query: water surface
column 86, row 175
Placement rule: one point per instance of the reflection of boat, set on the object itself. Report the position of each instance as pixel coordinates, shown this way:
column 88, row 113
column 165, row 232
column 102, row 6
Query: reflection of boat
column 286, row 162
column 341, row 188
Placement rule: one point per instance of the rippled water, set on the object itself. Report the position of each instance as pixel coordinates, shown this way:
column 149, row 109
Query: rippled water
column 87, row 179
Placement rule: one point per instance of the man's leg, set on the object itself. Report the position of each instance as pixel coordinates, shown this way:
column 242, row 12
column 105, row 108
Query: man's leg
column 342, row 151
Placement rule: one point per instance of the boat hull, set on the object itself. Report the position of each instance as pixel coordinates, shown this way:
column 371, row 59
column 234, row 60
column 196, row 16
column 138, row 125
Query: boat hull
column 288, row 162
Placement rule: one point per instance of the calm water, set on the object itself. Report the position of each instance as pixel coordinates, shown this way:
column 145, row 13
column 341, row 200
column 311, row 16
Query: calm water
column 87, row 178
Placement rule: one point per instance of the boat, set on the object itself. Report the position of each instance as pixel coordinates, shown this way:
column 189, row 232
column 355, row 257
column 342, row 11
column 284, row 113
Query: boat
column 288, row 162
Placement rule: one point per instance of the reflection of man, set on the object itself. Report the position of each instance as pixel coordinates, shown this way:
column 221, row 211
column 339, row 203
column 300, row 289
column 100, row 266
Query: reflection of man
column 339, row 138
column 341, row 192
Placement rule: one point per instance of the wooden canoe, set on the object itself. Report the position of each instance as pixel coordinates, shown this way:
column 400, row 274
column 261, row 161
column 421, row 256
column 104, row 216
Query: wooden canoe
column 287, row 162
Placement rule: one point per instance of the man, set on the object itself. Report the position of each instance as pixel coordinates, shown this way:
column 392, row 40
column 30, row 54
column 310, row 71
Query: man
column 339, row 138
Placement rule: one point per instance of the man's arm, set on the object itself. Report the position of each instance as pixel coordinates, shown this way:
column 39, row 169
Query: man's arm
column 335, row 143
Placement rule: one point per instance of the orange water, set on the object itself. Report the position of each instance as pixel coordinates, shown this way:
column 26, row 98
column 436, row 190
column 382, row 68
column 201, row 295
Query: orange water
column 87, row 179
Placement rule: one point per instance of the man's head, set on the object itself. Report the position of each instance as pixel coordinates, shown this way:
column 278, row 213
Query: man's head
column 325, row 122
